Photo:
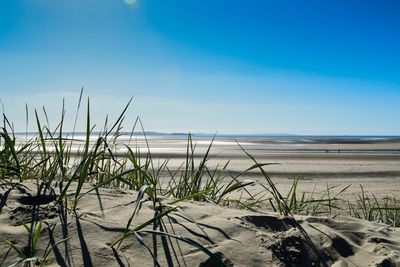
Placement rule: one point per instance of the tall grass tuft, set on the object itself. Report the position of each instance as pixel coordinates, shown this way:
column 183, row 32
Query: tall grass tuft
column 369, row 208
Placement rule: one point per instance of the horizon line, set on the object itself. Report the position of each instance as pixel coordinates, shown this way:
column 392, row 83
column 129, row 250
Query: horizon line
column 248, row 134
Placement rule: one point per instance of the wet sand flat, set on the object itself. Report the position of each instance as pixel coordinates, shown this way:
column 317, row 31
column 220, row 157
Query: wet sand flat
column 317, row 162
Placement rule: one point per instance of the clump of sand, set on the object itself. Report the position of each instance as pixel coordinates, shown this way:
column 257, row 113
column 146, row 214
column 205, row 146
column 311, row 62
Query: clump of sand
column 237, row 237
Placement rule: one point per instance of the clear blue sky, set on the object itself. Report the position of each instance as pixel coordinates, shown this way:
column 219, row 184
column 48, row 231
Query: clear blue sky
column 312, row 67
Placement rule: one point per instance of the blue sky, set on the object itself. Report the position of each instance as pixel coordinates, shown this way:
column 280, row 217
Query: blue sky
column 308, row 67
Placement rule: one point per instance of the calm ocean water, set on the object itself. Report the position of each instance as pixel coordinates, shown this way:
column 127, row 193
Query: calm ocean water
column 265, row 138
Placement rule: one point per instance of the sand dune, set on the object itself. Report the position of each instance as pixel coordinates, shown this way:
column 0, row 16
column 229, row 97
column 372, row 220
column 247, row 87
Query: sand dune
column 237, row 237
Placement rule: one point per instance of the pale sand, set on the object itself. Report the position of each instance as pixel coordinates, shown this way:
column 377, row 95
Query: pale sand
column 241, row 238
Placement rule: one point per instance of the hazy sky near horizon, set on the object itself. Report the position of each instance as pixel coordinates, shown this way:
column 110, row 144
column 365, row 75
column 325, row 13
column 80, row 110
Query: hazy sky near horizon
column 307, row 67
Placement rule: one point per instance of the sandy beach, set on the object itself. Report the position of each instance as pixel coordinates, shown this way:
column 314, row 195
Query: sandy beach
column 234, row 235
